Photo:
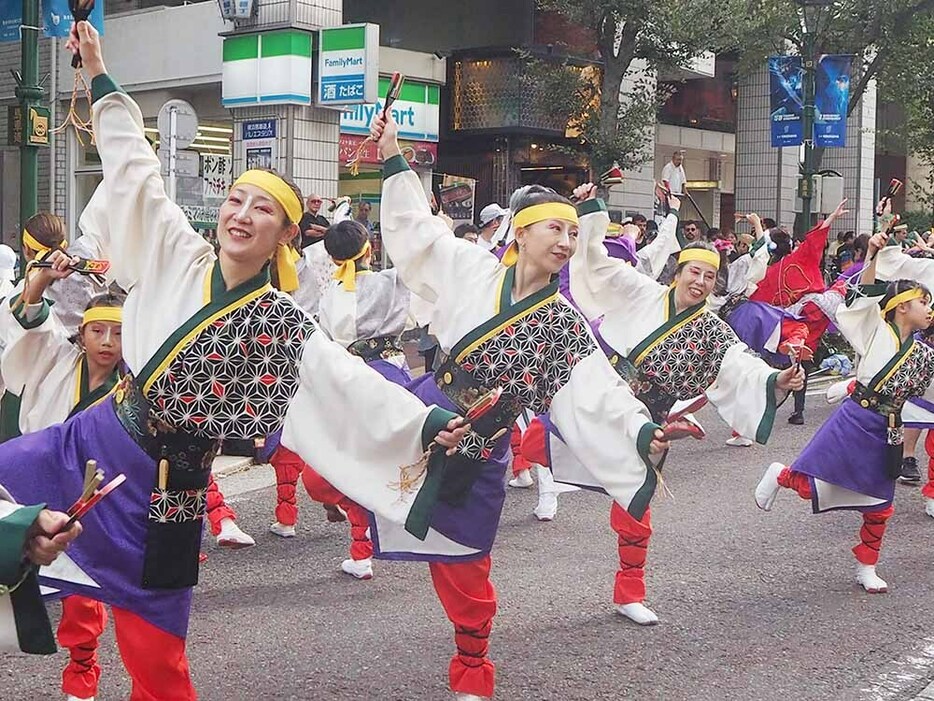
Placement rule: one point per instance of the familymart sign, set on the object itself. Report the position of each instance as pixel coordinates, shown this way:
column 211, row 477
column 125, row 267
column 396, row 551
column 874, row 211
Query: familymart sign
column 415, row 111
column 348, row 64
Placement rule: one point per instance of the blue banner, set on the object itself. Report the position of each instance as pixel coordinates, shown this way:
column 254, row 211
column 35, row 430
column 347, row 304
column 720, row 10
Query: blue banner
column 786, row 103
column 831, row 101
column 56, row 18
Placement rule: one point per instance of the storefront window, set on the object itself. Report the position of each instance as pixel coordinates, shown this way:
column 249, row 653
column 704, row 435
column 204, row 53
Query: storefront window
column 204, row 172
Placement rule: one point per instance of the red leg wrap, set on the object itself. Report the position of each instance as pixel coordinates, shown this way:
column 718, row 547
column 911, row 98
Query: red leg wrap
column 870, row 535
column 633, row 543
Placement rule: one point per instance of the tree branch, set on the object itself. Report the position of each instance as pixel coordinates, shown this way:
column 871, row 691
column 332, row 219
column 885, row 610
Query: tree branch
column 856, row 93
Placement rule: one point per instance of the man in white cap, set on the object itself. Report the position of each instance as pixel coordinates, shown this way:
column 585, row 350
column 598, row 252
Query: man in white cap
column 491, row 217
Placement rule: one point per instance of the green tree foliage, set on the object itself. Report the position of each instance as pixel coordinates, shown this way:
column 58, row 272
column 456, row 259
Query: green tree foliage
column 662, row 34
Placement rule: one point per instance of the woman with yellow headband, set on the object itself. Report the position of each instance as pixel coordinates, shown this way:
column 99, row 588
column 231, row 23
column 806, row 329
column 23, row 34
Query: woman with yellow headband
column 366, row 313
column 212, row 352
column 666, row 344
column 853, row 460
column 502, row 324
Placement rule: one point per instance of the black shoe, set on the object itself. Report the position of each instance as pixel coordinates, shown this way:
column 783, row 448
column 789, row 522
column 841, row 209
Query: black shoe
column 910, row 473
column 797, row 418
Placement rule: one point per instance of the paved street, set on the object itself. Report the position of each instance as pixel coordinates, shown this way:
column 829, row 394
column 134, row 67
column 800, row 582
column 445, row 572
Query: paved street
column 753, row 606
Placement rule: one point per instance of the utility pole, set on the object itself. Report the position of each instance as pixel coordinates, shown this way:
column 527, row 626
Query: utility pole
column 29, row 93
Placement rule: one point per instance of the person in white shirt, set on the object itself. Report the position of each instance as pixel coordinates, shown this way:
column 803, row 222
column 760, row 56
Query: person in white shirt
column 491, row 217
column 674, row 174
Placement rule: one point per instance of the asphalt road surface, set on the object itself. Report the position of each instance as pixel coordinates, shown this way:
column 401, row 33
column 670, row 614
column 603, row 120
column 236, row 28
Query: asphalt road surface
column 753, row 606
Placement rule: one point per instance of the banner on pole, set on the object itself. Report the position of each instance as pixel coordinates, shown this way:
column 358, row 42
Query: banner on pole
column 56, row 18
column 786, row 101
column 831, row 101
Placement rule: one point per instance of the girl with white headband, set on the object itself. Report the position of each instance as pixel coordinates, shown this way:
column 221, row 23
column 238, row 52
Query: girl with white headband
column 212, row 352
column 669, row 347
column 853, row 460
column 503, row 325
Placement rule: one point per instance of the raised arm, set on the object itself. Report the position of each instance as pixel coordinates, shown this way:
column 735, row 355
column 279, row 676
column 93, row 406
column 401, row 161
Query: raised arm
column 35, row 340
column 858, row 319
column 652, row 257
column 428, row 257
column 148, row 233
column 600, row 283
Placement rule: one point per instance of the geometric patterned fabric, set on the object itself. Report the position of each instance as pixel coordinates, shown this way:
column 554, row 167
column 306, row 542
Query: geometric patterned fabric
column 235, row 379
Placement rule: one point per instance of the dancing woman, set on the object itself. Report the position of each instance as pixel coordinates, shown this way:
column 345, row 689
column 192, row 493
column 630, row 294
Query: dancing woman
column 501, row 324
column 852, row 462
column 668, row 346
column 212, row 352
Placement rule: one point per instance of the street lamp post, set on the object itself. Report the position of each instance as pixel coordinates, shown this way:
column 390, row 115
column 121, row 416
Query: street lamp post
column 29, row 93
column 809, row 15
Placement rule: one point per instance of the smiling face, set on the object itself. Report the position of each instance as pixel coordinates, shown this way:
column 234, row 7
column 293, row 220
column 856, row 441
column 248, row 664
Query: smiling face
column 251, row 224
column 548, row 244
column 102, row 344
column 694, row 283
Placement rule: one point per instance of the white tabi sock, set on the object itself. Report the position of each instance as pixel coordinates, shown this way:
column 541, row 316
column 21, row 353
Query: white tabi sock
column 638, row 613
column 232, row 537
column 547, row 506
column 869, row 580
column 523, row 480
column 929, row 507
column 461, row 696
column 768, row 487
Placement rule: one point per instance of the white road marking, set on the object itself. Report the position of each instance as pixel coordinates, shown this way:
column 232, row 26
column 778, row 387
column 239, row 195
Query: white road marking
column 902, row 674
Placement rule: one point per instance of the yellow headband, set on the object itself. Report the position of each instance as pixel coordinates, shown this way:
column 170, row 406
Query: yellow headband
column 277, row 188
column 30, row 242
column 347, row 269
column 541, row 212
column 901, row 297
column 286, row 257
column 701, row 255
column 111, row 314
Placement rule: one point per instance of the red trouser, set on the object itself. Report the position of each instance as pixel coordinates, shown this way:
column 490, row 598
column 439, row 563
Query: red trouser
column 469, row 600
column 519, row 462
column 534, row 443
column 319, row 489
column 154, row 659
column 874, row 522
column 633, row 543
column 928, row 489
column 217, row 508
column 288, row 467
column 82, row 623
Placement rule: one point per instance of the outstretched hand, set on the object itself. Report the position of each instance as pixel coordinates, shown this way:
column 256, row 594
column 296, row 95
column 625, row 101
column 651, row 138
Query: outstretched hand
column 790, row 379
column 384, row 131
column 587, row 191
column 838, row 212
column 85, row 40
column 454, row 433
column 45, row 542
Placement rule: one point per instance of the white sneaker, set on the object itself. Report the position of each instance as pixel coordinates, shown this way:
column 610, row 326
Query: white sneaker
column 739, row 442
column 232, row 537
column 869, row 580
column 929, row 507
column 768, row 487
column 361, row 569
column 523, row 480
column 638, row 613
column 460, row 696
column 280, row 529
column 547, row 506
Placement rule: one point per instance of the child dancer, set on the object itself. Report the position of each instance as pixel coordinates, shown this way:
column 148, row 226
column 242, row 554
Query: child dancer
column 852, row 462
